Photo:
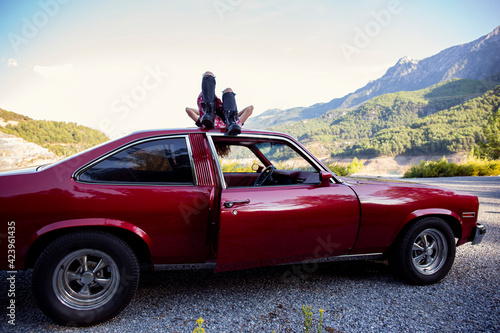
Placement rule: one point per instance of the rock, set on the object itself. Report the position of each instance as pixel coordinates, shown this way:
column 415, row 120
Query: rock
column 18, row 153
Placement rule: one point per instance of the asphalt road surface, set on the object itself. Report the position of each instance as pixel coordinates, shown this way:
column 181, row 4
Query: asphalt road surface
column 357, row 296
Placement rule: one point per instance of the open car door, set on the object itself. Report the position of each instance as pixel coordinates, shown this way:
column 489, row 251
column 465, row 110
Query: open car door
column 283, row 221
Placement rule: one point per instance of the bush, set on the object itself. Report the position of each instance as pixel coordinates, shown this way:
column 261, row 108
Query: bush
column 339, row 169
column 479, row 167
column 355, row 166
column 346, row 169
column 473, row 166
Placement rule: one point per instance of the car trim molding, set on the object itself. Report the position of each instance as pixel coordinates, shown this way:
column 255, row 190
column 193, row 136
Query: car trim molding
column 346, row 257
column 212, row 265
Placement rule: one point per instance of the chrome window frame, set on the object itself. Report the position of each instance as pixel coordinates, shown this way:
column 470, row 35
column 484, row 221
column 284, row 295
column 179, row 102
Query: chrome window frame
column 261, row 136
column 79, row 171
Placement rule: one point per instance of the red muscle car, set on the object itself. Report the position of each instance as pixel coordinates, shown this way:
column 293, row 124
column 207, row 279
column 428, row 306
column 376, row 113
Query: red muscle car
column 87, row 224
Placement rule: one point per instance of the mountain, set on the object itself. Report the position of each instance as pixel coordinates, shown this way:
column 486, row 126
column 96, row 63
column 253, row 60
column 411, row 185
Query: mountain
column 475, row 60
column 369, row 129
column 26, row 142
column 471, row 125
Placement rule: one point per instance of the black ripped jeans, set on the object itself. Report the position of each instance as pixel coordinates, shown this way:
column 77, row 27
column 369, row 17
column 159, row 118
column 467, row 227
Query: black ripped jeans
column 228, row 99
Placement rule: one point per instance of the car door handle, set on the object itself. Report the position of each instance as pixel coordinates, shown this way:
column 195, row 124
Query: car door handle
column 229, row 204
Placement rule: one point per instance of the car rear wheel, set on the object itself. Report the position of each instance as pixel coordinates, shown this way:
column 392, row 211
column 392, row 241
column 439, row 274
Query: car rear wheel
column 425, row 253
column 84, row 278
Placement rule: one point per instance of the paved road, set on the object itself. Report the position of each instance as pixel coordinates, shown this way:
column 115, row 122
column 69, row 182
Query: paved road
column 361, row 296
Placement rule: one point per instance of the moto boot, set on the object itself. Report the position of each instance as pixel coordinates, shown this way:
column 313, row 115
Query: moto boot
column 208, row 118
column 232, row 127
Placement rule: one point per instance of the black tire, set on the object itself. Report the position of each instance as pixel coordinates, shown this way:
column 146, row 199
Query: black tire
column 85, row 278
column 425, row 253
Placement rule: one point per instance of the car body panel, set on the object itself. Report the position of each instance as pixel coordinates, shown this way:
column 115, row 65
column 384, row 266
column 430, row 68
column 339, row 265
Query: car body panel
column 387, row 207
column 282, row 224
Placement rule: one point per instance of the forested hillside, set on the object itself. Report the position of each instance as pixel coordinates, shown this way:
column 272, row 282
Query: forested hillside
column 62, row 138
column 461, row 128
column 357, row 132
column 491, row 147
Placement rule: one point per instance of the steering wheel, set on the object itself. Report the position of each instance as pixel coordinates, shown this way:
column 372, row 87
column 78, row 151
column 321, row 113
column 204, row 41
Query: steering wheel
column 265, row 175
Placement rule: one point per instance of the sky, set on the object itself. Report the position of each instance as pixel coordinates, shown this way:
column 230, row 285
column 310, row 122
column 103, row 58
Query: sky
column 122, row 65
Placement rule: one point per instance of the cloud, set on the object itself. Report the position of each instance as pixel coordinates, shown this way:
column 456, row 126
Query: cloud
column 56, row 71
column 12, row 63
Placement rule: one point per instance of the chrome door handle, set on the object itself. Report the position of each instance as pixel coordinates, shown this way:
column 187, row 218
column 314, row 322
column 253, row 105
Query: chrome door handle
column 229, row 204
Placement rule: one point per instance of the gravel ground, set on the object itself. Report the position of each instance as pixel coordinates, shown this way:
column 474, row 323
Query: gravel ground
column 357, row 296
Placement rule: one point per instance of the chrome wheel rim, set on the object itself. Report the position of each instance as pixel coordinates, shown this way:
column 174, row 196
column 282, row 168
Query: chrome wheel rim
column 429, row 251
column 86, row 279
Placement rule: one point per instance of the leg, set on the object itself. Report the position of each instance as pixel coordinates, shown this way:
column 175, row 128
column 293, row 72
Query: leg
column 245, row 114
column 195, row 115
column 192, row 113
column 208, row 88
column 231, row 112
column 208, row 91
column 228, row 100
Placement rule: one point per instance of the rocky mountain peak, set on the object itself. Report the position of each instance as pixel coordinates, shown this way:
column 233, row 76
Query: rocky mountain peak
column 403, row 67
column 494, row 34
column 406, row 60
column 475, row 60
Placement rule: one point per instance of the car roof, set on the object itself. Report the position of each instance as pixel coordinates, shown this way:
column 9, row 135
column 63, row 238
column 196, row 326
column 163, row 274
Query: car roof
column 191, row 130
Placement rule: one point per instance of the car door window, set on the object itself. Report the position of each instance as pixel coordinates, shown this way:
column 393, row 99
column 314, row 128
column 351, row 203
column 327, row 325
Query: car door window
column 164, row 161
column 283, row 157
column 236, row 159
column 243, row 159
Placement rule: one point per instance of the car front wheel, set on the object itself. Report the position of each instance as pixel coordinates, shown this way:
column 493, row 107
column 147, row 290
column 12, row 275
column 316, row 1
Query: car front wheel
column 425, row 253
column 84, row 278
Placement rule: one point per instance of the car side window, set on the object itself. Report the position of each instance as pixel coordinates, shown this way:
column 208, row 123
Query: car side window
column 163, row 161
column 236, row 159
column 283, row 157
column 242, row 160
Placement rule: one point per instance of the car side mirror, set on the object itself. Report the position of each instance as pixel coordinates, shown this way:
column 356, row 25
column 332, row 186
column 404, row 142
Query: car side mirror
column 325, row 177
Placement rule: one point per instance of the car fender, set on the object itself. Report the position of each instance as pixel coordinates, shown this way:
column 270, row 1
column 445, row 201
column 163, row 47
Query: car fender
column 94, row 222
column 419, row 213
column 68, row 225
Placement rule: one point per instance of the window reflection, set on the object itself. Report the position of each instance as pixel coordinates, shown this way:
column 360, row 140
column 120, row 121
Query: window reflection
column 159, row 161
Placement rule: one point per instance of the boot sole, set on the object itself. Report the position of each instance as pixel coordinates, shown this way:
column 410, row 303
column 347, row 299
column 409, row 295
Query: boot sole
column 234, row 131
column 207, row 123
